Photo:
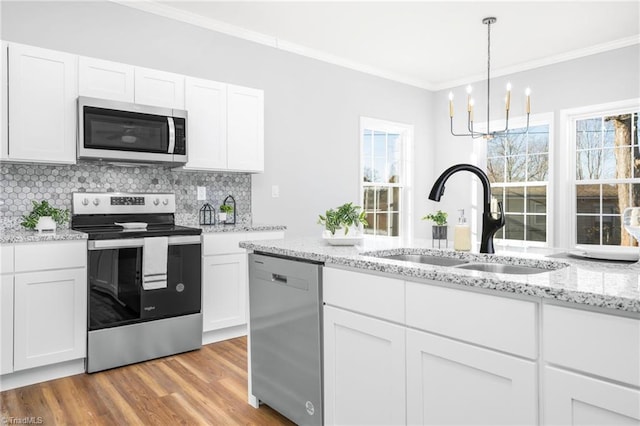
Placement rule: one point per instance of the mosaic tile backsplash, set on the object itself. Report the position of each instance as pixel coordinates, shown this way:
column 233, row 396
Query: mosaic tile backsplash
column 22, row 183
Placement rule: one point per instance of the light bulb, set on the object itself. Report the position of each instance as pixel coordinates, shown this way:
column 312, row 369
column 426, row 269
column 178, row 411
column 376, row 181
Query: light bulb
column 450, row 96
column 469, row 89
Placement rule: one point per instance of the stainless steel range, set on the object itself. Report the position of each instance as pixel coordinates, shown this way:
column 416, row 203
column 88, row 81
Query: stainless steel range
column 144, row 278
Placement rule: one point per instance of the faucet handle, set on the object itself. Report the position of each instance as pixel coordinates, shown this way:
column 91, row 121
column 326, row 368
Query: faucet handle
column 500, row 220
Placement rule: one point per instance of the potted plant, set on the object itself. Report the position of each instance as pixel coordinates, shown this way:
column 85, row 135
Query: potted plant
column 439, row 230
column 344, row 220
column 225, row 209
column 44, row 216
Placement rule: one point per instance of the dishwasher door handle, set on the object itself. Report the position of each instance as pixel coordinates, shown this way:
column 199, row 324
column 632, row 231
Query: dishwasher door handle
column 279, row 278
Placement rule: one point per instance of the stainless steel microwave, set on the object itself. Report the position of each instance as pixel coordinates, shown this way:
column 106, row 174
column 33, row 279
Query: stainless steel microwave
column 118, row 131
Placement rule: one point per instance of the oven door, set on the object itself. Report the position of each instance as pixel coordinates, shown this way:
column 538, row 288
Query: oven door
column 110, row 130
column 116, row 295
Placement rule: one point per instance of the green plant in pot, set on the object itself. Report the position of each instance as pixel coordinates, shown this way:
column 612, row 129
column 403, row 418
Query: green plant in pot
column 225, row 210
column 439, row 230
column 345, row 219
column 44, row 216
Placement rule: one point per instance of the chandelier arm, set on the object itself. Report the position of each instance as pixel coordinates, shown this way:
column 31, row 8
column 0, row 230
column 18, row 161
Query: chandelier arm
column 457, row 134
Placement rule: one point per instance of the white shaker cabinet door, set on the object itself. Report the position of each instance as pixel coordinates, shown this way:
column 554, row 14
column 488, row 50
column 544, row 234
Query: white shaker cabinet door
column 224, row 291
column 6, row 324
column 50, row 317
column 105, row 79
column 364, row 370
column 159, row 88
column 206, row 104
column 574, row 399
column 449, row 382
column 43, row 87
column 245, row 129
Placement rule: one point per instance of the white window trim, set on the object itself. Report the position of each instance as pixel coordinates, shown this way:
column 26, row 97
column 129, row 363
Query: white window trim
column 406, row 207
column 480, row 153
column 568, row 118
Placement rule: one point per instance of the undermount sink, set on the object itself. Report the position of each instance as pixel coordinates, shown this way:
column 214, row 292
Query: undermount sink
column 502, row 268
column 429, row 260
column 469, row 264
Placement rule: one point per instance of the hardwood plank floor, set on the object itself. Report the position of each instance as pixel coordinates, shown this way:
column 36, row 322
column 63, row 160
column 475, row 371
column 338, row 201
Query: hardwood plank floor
column 208, row 386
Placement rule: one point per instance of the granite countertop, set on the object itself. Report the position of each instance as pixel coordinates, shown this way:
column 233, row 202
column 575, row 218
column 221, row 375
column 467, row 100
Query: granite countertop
column 8, row 236
column 609, row 285
column 26, row 236
column 243, row 227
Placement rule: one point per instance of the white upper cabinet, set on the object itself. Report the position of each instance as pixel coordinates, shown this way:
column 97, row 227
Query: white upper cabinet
column 4, row 117
column 42, row 87
column 245, row 129
column 159, row 88
column 206, row 103
column 105, row 79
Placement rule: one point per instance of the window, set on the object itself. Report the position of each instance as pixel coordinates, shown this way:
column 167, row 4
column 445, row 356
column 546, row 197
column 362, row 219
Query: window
column 518, row 169
column 607, row 175
column 385, row 177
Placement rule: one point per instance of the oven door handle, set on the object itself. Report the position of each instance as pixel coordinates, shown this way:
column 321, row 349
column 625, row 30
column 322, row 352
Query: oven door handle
column 174, row 240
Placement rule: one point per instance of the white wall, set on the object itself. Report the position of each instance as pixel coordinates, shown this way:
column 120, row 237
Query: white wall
column 596, row 79
column 312, row 109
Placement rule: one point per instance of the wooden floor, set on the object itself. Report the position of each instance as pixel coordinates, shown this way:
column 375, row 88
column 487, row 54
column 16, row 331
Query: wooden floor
column 208, row 386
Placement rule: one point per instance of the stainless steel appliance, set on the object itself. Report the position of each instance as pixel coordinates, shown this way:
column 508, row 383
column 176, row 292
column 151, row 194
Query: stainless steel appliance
column 286, row 336
column 118, row 131
column 144, row 278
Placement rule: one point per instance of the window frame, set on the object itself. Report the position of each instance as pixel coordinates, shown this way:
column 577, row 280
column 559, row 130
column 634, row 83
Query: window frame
column 569, row 118
column 406, row 203
column 480, row 152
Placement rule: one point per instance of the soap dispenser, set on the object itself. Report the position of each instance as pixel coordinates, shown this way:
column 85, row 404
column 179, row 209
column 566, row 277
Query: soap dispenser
column 462, row 234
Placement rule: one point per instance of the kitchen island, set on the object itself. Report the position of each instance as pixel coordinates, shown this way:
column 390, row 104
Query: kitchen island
column 410, row 343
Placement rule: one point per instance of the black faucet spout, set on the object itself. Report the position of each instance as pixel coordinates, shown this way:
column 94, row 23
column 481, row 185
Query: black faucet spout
column 490, row 225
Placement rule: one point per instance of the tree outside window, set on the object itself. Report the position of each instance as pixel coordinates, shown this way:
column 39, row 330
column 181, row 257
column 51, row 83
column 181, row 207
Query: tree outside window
column 607, row 177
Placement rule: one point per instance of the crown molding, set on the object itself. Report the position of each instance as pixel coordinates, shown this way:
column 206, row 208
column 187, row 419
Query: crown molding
column 170, row 12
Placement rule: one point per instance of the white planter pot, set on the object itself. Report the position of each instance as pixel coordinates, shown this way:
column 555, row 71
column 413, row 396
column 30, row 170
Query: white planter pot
column 46, row 223
column 222, row 217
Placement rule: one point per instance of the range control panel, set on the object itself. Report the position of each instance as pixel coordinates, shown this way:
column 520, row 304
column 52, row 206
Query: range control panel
column 123, row 203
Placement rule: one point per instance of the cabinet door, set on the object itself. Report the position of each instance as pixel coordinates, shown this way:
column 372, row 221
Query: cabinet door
column 43, row 87
column 4, row 116
column 364, row 370
column 6, row 324
column 105, row 79
column 450, row 382
column 50, row 317
column 574, row 399
column 245, row 129
column 206, row 103
column 159, row 88
column 224, row 291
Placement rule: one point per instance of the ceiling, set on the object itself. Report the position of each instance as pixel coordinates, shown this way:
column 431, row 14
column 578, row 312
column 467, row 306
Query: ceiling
column 429, row 44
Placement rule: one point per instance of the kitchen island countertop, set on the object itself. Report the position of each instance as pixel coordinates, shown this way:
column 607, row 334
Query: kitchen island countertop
column 600, row 284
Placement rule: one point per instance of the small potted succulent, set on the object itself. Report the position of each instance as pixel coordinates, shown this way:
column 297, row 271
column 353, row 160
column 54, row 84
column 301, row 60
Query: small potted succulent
column 439, row 230
column 343, row 221
column 44, row 217
column 225, row 210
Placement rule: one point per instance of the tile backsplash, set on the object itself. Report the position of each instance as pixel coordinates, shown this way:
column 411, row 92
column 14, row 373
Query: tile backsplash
column 22, row 183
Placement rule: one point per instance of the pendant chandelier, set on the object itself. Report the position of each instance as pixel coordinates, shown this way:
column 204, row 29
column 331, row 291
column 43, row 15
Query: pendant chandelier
column 488, row 134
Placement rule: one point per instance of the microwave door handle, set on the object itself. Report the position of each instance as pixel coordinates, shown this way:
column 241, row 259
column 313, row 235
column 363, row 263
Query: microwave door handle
column 172, row 134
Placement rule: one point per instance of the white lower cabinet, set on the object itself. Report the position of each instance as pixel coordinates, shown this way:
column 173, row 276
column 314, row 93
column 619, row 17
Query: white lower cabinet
column 6, row 324
column 224, row 293
column 450, row 382
column 364, row 370
column 575, row 399
column 49, row 317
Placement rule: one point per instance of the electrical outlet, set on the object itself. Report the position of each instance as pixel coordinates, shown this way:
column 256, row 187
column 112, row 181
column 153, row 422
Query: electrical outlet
column 202, row 193
column 275, row 191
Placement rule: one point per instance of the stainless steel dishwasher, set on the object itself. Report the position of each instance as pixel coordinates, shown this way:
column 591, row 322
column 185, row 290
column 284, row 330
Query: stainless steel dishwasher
column 286, row 336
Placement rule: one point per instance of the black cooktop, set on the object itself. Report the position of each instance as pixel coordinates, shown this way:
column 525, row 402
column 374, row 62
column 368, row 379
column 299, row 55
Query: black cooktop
column 103, row 227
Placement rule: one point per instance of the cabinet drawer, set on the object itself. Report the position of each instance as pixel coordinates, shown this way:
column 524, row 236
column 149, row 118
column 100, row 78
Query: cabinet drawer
column 6, row 259
column 51, row 255
column 496, row 322
column 380, row 297
column 227, row 242
column 601, row 344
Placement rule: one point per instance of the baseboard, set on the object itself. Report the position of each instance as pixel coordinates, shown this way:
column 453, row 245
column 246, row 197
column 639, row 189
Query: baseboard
column 45, row 373
column 224, row 334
